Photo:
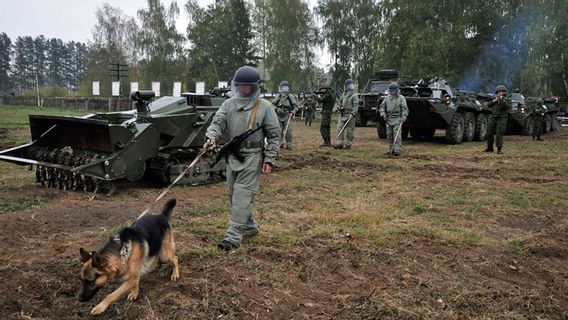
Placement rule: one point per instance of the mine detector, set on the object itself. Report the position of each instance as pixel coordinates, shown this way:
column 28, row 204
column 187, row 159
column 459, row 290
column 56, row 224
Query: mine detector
column 157, row 139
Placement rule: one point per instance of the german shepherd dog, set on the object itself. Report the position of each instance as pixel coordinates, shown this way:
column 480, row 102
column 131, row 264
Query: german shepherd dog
column 134, row 252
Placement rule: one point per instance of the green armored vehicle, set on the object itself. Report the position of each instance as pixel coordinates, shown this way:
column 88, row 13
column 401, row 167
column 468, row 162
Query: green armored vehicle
column 433, row 104
column 157, row 139
column 372, row 96
column 520, row 121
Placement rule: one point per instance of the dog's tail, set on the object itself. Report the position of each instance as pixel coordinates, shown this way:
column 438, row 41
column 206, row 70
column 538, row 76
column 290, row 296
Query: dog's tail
column 168, row 208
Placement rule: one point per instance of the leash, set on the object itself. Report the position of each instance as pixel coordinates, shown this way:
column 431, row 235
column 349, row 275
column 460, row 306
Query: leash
column 166, row 190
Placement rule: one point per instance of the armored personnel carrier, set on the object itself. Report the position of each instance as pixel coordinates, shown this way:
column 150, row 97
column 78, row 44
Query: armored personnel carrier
column 433, row 104
column 519, row 119
column 372, row 96
column 157, row 139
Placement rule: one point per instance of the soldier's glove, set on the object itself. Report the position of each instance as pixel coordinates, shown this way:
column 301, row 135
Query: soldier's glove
column 211, row 147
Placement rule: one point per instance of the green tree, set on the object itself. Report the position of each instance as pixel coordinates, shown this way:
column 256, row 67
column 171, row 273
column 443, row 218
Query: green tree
column 5, row 51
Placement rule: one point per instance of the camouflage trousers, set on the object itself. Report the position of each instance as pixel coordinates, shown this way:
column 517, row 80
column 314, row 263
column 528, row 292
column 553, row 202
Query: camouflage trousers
column 242, row 186
column 325, row 126
column 286, row 141
column 496, row 131
column 310, row 116
column 393, row 136
column 538, row 126
column 347, row 133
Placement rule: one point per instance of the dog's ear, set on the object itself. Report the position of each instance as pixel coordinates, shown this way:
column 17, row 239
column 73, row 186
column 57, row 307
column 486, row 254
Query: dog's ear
column 85, row 256
column 97, row 260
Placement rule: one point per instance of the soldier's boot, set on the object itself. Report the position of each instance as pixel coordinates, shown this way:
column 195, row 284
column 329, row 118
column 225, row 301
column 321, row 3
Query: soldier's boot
column 488, row 149
column 347, row 146
column 326, row 143
column 226, row 245
column 499, row 151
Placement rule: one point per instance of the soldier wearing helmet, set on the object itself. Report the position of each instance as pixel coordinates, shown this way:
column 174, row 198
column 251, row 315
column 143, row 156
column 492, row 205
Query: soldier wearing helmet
column 310, row 105
column 394, row 112
column 498, row 119
column 327, row 100
column 245, row 110
column 286, row 106
column 537, row 114
column 348, row 106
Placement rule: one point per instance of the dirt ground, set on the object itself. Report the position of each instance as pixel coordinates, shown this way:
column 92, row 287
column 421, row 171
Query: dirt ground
column 444, row 232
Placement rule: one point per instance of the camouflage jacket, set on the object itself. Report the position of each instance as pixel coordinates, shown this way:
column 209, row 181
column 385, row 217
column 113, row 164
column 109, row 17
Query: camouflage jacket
column 538, row 111
column 327, row 102
column 310, row 105
column 499, row 109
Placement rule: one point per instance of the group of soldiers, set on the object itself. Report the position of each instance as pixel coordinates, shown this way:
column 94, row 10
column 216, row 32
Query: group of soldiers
column 246, row 110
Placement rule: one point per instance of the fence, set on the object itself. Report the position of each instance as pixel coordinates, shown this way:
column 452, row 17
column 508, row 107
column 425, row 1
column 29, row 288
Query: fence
column 86, row 103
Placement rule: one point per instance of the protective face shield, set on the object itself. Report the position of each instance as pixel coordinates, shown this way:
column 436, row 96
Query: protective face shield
column 245, row 84
column 284, row 87
column 394, row 89
column 349, row 85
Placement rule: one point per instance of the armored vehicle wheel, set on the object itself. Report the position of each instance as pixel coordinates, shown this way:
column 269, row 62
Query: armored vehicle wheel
column 468, row 126
column 359, row 120
column 528, row 126
column 454, row 132
column 382, row 130
column 548, row 123
column 480, row 133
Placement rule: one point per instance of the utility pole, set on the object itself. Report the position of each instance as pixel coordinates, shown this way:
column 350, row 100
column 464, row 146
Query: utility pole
column 118, row 71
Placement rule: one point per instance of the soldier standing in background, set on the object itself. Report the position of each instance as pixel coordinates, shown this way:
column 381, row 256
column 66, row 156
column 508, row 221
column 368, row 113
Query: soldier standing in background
column 245, row 110
column 327, row 100
column 348, row 105
column 394, row 112
column 310, row 109
column 498, row 120
column 538, row 119
column 286, row 107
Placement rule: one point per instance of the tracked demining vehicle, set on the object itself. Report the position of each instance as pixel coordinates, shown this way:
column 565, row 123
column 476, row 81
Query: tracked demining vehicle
column 156, row 140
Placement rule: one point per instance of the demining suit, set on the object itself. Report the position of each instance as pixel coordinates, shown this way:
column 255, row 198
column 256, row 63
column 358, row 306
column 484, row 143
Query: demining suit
column 245, row 111
column 286, row 106
column 394, row 111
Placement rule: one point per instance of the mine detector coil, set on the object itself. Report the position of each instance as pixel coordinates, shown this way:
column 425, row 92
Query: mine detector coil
column 157, row 140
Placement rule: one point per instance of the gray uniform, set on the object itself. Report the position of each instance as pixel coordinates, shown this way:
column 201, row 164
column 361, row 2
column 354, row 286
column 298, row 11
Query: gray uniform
column 395, row 109
column 348, row 104
column 284, row 104
column 243, row 178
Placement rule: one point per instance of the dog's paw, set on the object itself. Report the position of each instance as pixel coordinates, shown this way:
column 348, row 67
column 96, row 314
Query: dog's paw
column 100, row 308
column 175, row 276
column 133, row 295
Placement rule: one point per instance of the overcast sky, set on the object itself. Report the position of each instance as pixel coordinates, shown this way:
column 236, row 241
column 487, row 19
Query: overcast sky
column 74, row 19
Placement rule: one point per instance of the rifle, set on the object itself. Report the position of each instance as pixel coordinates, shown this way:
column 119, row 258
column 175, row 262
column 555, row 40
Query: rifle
column 233, row 146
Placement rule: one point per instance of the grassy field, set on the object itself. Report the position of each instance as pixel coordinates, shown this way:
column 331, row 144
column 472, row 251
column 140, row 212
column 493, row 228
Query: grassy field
column 444, row 232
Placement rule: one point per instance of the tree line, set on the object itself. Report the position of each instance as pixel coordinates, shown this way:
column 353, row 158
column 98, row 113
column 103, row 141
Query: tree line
column 28, row 63
column 474, row 44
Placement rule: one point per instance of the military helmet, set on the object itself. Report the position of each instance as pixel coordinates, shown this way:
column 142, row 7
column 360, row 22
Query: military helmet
column 284, row 83
column 500, row 88
column 540, row 102
column 394, row 86
column 246, row 75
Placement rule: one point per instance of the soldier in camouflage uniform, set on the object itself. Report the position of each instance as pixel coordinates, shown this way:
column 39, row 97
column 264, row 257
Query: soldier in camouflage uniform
column 327, row 100
column 538, row 119
column 394, row 112
column 498, row 120
column 286, row 107
column 245, row 110
column 310, row 109
column 348, row 106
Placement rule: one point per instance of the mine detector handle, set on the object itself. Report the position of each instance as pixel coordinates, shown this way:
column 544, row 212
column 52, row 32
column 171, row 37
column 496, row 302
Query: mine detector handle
column 142, row 99
column 233, row 146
